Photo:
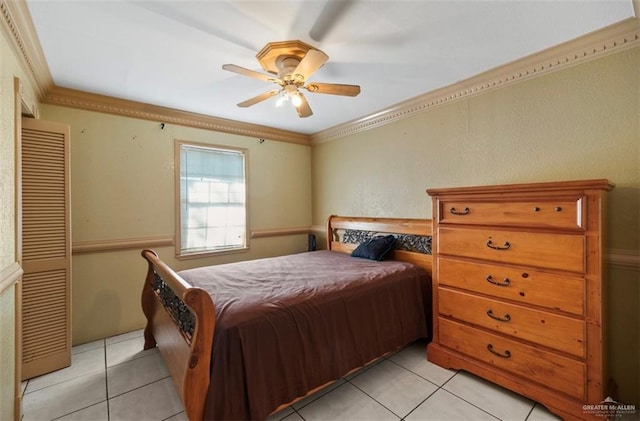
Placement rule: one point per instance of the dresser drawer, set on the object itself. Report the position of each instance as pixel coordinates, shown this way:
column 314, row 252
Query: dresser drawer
column 551, row 330
column 523, row 285
column 560, row 213
column 554, row 371
column 543, row 250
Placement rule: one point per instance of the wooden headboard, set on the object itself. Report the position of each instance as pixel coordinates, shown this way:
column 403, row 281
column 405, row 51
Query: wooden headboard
column 413, row 236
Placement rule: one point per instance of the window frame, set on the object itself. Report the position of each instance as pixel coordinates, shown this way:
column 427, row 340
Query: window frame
column 180, row 254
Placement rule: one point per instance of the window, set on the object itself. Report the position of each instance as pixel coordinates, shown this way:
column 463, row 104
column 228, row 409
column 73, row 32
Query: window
column 213, row 200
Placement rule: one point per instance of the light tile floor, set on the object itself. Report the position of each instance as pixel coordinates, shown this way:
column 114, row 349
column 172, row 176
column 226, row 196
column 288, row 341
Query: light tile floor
column 113, row 379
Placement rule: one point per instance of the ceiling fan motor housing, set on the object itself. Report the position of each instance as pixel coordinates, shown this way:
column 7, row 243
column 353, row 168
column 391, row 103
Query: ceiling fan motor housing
column 286, row 65
column 275, row 57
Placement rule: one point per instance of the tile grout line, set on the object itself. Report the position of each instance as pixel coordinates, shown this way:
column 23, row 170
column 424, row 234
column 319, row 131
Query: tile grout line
column 171, row 416
column 415, row 374
column 105, row 380
column 374, row 399
column 530, row 412
column 370, row 366
column 423, row 401
column 102, row 370
column 438, row 387
column 140, row 387
column 68, row 380
column 470, row 403
column 77, row 410
column 294, row 410
column 422, row 377
column 61, row 382
column 87, row 350
column 319, row 395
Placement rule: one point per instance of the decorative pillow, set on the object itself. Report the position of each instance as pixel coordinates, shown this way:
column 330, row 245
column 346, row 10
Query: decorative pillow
column 375, row 248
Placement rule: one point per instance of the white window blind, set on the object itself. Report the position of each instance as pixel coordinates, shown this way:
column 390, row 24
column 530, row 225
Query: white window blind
column 213, row 207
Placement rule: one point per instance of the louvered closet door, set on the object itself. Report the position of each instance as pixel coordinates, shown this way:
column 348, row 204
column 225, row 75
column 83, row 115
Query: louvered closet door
column 46, row 248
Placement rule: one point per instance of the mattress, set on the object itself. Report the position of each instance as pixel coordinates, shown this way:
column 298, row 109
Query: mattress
column 286, row 325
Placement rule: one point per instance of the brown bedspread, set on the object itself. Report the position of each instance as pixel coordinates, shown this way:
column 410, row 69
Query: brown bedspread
column 289, row 324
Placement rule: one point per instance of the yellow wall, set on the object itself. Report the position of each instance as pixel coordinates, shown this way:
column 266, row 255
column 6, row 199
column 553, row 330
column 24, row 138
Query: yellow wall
column 579, row 123
column 9, row 69
column 582, row 122
column 7, row 229
column 7, row 354
column 122, row 187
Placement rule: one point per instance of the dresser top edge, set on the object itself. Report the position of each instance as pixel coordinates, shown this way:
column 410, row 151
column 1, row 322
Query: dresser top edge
column 597, row 184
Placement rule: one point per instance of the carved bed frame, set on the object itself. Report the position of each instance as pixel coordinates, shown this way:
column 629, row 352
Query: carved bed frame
column 181, row 318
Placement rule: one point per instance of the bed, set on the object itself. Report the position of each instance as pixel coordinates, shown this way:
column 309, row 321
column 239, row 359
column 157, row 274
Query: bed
column 242, row 340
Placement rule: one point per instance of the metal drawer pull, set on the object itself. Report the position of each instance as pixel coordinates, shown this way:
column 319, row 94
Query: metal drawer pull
column 507, row 353
column 505, row 318
column 536, row 209
column 505, row 283
column 504, row 247
column 558, row 209
column 465, row 211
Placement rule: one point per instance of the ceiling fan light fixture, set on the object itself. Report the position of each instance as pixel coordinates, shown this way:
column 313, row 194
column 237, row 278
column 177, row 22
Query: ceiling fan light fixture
column 282, row 98
column 287, row 95
column 296, row 100
column 293, row 62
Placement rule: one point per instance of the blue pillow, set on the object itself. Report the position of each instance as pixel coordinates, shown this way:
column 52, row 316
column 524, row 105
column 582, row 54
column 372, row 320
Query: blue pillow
column 375, row 248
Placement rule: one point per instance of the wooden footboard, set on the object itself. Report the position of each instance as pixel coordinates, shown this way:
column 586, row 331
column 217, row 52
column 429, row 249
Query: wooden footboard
column 181, row 321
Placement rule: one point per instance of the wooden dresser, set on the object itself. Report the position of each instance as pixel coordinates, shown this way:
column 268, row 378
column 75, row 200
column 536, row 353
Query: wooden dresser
column 519, row 291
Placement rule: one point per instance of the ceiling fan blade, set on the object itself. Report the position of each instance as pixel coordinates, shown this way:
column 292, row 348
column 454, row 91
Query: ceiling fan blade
column 251, row 73
column 330, row 15
column 304, row 110
column 259, row 98
column 312, row 61
column 333, row 89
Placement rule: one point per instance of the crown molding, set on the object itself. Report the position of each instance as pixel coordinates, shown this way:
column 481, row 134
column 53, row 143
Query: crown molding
column 17, row 25
column 609, row 40
column 106, row 104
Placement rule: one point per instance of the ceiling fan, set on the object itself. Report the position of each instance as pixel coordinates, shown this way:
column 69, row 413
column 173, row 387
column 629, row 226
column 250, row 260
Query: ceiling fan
column 290, row 64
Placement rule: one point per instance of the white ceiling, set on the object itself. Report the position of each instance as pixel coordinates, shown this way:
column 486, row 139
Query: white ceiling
column 170, row 52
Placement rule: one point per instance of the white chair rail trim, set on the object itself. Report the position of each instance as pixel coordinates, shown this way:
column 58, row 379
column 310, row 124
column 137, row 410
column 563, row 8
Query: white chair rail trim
column 624, row 259
column 615, row 258
column 278, row 232
column 9, row 276
column 120, row 244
